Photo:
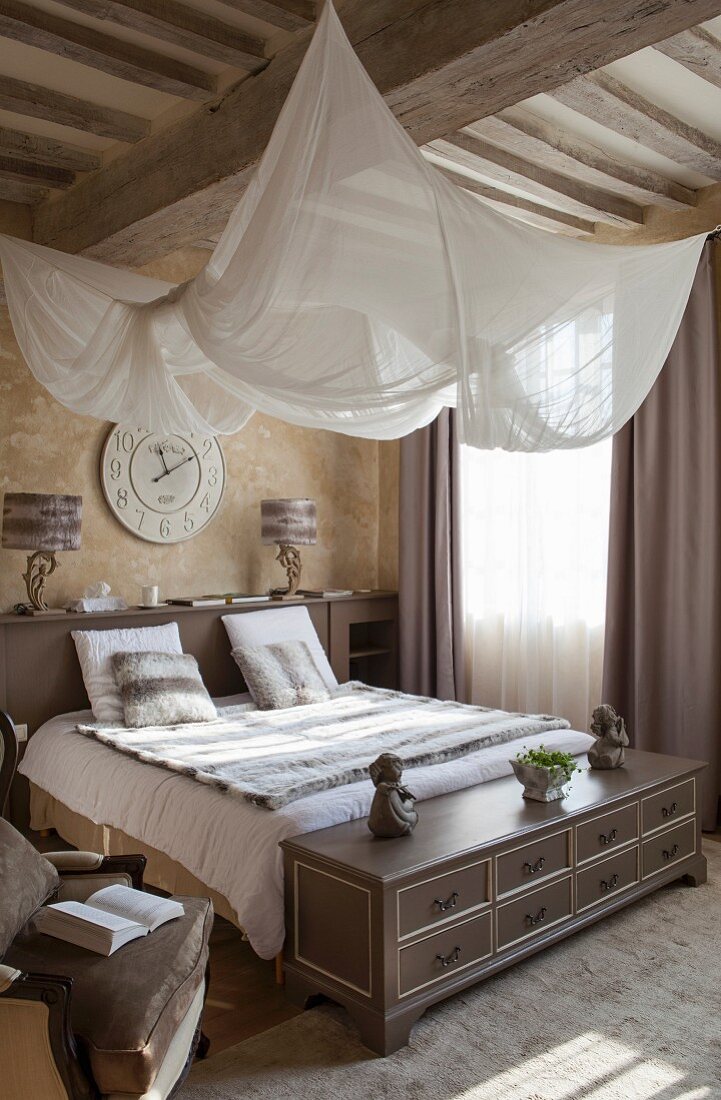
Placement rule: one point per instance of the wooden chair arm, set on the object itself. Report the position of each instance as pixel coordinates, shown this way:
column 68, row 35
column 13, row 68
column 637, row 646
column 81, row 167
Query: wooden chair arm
column 39, row 1049
column 81, row 864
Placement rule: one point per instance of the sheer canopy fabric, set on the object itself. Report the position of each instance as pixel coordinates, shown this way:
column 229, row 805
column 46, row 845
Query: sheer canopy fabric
column 356, row 288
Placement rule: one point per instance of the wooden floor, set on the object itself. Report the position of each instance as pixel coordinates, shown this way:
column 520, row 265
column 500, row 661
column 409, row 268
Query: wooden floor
column 243, row 998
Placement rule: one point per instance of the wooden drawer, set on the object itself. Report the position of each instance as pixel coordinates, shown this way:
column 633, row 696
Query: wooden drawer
column 599, row 836
column 533, row 913
column 660, row 809
column 527, row 865
column 667, row 848
column 443, row 954
column 607, row 877
column 442, row 897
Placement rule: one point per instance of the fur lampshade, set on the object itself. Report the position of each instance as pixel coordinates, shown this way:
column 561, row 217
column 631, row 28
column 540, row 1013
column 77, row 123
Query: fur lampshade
column 291, row 522
column 41, row 521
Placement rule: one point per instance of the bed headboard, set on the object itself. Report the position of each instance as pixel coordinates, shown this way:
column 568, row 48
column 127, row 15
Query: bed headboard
column 40, row 673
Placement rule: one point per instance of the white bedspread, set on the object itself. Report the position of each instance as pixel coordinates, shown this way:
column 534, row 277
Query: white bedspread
column 229, row 844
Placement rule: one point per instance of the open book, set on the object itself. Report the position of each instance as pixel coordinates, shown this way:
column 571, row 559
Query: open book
column 108, row 919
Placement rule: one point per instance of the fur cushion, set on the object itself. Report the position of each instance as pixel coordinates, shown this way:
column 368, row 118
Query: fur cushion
column 161, row 689
column 96, row 647
column 280, row 675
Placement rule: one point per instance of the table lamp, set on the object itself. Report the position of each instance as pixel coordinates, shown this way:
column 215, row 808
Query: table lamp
column 42, row 523
column 289, row 524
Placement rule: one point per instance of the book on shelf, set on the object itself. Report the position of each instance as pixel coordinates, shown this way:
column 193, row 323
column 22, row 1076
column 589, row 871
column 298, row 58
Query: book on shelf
column 243, row 597
column 325, row 593
column 217, row 600
column 110, row 918
column 198, row 601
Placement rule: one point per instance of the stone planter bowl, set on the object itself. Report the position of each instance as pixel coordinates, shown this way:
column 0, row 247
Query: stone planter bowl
column 541, row 784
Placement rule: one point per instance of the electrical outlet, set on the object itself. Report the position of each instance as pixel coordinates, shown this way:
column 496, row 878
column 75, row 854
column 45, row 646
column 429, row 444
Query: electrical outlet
column 22, row 731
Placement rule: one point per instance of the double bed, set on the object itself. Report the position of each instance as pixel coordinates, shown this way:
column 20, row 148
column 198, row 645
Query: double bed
column 198, row 839
column 202, row 840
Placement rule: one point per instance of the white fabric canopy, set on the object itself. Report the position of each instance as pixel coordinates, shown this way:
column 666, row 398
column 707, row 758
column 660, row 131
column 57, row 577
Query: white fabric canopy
column 356, row 288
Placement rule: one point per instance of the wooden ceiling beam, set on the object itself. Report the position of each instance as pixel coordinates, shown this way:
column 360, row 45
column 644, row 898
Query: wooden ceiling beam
column 66, row 110
column 27, row 193
column 698, row 51
column 179, row 25
column 287, row 15
column 440, row 64
column 564, row 191
column 87, row 46
column 43, row 150
column 526, row 134
column 28, row 171
column 547, row 217
column 607, row 101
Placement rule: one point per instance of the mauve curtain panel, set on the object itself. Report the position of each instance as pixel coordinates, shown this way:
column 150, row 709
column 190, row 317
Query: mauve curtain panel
column 431, row 652
column 662, row 658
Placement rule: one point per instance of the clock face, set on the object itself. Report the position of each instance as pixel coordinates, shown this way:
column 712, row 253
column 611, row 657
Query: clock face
column 163, row 488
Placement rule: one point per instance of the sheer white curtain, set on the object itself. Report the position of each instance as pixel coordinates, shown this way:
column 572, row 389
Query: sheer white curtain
column 535, row 539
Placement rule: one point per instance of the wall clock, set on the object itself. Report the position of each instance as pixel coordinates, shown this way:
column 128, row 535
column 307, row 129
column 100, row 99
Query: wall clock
column 163, row 488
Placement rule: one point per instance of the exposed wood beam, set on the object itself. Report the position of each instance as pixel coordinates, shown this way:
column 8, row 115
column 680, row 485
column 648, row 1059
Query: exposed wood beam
column 44, row 150
column 28, row 172
column 27, row 193
column 111, row 55
column 169, row 21
column 696, row 50
column 560, row 190
column 529, row 136
column 441, row 64
column 545, row 216
column 66, row 110
column 607, row 101
column 287, row 15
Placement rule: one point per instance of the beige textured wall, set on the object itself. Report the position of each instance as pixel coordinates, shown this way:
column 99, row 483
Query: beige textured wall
column 45, row 448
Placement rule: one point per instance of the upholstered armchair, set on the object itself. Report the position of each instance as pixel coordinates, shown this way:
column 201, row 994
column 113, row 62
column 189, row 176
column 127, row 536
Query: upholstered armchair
column 78, row 1026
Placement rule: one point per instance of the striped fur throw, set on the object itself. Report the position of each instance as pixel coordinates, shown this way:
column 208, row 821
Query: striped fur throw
column 161, row 689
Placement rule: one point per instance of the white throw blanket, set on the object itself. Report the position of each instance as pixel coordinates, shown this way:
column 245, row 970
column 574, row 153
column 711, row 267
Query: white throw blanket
column 274, row 757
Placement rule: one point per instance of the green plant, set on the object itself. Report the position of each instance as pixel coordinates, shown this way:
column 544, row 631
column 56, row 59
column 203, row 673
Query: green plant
column 542, row 758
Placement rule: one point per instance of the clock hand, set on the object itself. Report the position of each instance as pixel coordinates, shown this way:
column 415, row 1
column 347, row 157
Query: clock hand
column 176, row 467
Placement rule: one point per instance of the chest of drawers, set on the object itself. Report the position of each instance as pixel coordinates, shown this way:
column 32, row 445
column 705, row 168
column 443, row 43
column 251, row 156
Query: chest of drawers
column 389, row 927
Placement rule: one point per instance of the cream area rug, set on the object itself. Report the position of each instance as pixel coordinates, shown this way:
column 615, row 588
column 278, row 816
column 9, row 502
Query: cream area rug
column 629, row 1009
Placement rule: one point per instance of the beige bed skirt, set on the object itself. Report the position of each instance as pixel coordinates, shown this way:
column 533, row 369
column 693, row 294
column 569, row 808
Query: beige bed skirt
column 161, row 871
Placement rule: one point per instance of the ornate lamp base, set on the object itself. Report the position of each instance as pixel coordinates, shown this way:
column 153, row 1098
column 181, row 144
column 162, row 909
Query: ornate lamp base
column 40, row 566
column 289, row 558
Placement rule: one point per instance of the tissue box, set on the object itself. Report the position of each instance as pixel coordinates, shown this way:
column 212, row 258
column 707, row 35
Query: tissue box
column 98, row 603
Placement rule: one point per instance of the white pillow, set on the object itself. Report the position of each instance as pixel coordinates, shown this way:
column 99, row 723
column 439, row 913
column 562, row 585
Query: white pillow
column 279, row 624
column 96, row 647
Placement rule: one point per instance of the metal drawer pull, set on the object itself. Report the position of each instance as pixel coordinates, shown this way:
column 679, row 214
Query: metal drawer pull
column 534, row 868
column 449, row 903
column 540, row 916
column 669, row 811
column 608, row 838
column 674, row 852
column 610, row 884
column 448, row 960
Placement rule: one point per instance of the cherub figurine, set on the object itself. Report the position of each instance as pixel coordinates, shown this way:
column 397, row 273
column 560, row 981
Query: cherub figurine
column 611, row 738
column 392, row 813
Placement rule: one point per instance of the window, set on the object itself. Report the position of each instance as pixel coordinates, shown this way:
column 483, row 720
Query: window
column 535, row 546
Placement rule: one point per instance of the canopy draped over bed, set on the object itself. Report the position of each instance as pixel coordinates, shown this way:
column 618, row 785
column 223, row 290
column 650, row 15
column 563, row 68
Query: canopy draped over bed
column 355, row 288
